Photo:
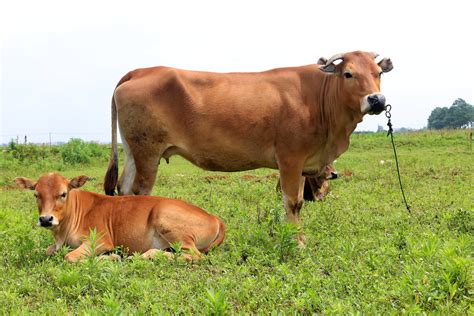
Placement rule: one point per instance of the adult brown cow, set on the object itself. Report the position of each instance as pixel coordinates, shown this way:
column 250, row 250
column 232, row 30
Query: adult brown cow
column 142, row 224
column 295, row 119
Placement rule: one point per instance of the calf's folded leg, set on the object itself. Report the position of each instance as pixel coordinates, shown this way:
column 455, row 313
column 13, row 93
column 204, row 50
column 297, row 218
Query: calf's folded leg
column 84, row 250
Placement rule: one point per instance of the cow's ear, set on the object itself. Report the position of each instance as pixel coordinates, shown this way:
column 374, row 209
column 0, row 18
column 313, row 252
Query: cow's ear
column 78, row 182
column 25, row 183
column 386, row 64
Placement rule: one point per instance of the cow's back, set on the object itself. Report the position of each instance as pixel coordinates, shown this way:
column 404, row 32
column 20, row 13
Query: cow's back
column 218, row 121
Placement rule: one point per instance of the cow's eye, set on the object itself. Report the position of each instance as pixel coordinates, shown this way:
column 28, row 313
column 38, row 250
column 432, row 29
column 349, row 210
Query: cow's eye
column 63, row 195
column 347, row 75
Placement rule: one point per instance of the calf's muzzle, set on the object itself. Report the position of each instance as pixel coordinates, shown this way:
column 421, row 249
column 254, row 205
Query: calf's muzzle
column 46, row 221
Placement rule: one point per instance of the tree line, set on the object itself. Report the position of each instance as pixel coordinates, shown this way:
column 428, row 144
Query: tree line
column 458, row 115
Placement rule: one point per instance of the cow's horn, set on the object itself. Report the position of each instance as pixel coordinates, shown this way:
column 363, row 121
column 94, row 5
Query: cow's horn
column 322, row 61
column 330, row 67
column 377, row 58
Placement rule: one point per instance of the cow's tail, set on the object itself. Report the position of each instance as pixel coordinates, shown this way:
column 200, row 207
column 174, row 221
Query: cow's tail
column 111, row 176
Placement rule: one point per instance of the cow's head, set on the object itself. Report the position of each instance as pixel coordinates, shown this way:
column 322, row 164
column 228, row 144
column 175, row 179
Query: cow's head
column 359, row 79
column 315, row 189
column 51, row 191
column 329, row 173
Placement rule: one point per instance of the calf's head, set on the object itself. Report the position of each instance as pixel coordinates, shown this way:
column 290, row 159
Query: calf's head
column 358, row 76
column 51, row 191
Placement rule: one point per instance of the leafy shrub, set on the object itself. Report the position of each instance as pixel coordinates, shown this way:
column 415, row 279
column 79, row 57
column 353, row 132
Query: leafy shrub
column 286, row 244
column 215, row 302
column 462, row 221
column 30, row 152
column 77, row 151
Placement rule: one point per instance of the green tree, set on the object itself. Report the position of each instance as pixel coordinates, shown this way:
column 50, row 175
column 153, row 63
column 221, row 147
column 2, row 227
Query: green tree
column 459, row 115
column 437, row 118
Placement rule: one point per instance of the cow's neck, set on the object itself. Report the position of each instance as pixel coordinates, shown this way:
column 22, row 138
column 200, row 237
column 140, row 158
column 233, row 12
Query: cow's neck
column 339, row 136
column 335, row 121
column 69, row 225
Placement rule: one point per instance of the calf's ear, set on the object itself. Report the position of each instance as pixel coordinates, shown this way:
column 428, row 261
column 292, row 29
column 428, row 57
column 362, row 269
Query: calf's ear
column 78, row 182
column 25, row 183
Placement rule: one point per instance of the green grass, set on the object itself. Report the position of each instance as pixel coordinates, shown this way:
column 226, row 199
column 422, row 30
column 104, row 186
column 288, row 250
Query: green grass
column 364, row 252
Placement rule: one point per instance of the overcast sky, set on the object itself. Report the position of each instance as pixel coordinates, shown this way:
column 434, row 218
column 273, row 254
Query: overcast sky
column 61, row 61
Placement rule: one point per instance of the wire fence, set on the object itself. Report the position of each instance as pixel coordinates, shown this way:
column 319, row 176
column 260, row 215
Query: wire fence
column 53, row 138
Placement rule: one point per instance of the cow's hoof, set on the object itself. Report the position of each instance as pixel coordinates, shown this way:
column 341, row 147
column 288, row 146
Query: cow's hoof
column 111, row 257
column 71, row 258
column 301, row 241
column 51, row 250
column 152, row 253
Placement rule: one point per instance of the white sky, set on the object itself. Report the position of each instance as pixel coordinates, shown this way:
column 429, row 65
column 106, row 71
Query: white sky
column 60, row 60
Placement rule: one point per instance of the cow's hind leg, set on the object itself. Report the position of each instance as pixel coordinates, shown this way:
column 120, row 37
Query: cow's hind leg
column 141, row 166
column 147, row 168
column 127, row 178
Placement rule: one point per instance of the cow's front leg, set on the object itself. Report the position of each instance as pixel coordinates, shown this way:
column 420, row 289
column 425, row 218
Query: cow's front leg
column 292, row 188
column 55, row 247
column 85, row 249
column 51, row 250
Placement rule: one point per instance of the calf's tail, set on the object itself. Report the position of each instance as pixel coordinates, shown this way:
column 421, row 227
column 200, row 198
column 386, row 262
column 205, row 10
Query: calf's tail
column 220, row 236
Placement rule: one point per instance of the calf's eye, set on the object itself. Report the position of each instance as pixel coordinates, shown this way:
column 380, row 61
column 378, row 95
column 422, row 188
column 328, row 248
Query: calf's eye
column 63, row 195
column 347, row 75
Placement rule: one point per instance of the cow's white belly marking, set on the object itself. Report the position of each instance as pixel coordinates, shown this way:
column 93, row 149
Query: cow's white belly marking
column 159, row 242
column 129, row 170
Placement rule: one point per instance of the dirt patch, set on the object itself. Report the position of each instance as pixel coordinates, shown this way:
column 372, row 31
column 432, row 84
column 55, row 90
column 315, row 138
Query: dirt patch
column 245, row 177
column 250, row 177
column 10, row 187
column 346, row 173
column 214, row 178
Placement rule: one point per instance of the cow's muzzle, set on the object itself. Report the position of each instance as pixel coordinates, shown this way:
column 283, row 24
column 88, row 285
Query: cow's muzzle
column 376, row 103
column 46, row 221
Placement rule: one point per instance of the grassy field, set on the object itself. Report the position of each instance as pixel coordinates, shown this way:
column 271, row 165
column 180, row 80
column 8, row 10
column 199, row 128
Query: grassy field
column 364, row 252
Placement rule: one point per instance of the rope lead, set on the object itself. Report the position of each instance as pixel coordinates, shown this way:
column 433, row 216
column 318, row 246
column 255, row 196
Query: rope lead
column 390, row 132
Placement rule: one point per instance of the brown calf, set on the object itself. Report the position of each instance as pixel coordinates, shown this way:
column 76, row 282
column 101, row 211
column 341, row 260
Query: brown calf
column 141, row 224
